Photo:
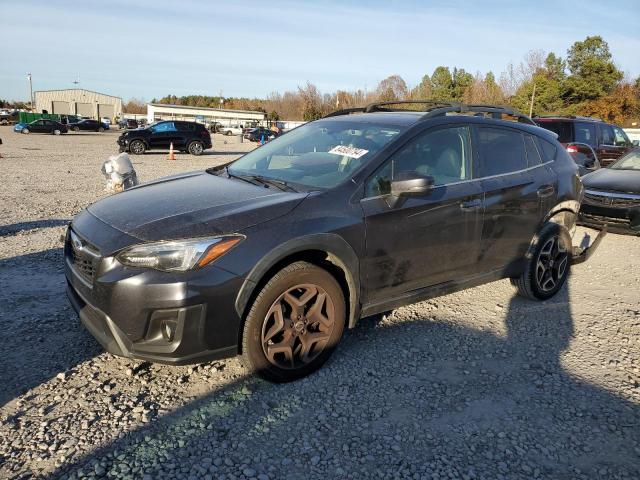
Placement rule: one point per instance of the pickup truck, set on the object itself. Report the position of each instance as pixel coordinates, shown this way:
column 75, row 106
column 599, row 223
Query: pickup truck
column 231, row 130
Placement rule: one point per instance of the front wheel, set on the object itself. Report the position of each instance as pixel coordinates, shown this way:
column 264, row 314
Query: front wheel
column 25, row 130
column 56, row 132
column 137, row 147
column 196, row 148
column 294, row 324
column 548, row 264
column 227, row 133
column 101, row 129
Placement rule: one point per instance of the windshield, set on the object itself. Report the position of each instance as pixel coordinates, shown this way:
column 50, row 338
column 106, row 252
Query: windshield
column 318, row 154
column 630, row 161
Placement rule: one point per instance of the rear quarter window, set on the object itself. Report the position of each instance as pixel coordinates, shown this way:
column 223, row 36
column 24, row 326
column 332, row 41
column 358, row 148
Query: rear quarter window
column 564, row 130
column 548, row 149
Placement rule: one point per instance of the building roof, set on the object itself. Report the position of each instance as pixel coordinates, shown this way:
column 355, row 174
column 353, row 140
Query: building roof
column 76, row 89
column 188, row 107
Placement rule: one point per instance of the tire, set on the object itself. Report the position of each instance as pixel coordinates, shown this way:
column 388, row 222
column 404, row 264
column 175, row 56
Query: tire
column 227, row 133
column 57, row 132
column 25, row 130
column 76, row 129
column 137, row 147
column 101, row 129
column 317, row 295
column 548, row 264
column 195, row 148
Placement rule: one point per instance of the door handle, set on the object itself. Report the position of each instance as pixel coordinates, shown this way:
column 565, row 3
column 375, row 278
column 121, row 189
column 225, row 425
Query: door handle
column 546, row 190
column 471, row 205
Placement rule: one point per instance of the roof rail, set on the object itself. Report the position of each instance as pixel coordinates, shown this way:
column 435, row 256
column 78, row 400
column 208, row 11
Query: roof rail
column 435, row 108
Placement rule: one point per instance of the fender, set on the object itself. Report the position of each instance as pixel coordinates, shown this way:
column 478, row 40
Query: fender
column 339, row 252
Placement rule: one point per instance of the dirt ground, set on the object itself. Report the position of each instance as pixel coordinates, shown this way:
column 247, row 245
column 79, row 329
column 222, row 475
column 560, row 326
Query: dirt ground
column 478, row 384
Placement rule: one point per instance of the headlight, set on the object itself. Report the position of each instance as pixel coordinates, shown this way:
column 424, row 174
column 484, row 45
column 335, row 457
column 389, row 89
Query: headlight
column 178, row 255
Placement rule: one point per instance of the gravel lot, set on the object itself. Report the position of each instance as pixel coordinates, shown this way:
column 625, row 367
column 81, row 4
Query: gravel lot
column 479, row 384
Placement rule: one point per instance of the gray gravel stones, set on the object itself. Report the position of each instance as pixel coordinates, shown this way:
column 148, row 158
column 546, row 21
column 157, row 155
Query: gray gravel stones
column 475, row 385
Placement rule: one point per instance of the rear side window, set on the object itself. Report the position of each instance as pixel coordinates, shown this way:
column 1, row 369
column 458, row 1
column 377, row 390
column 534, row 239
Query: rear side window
column 621, row 137
column 533, row 156
column 501, row 151
column 560, row 128
column 586, row 133
column 185, row 127
column 548, row 149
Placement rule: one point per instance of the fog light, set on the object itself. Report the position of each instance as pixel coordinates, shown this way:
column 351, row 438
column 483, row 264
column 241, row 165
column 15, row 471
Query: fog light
column 168, row 330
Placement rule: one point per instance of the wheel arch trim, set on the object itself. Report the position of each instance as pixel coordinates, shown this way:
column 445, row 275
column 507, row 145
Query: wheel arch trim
column 339, row 253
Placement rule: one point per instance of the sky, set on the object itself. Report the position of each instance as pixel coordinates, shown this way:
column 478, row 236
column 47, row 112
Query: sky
column 152, row 48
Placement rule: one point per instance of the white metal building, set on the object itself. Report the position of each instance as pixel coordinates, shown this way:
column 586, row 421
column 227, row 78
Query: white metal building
column 159, row 111
column 77, row 101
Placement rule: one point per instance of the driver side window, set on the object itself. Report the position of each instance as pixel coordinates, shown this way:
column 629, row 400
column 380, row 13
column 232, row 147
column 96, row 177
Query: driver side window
column 444, row 154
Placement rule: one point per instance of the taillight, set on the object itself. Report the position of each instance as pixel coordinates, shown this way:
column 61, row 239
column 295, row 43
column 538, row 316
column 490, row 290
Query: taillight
column 572, row 149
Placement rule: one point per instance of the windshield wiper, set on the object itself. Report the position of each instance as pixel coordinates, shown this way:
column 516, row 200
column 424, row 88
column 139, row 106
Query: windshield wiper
column 281, row 184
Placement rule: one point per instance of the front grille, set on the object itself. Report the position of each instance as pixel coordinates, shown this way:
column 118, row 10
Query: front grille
column 612, row 199
column 588, row 217
column 83, row 255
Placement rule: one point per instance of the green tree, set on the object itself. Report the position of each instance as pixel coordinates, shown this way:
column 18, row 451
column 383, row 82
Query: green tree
column 460, row 82
column 422, row 91
column 441, row 81
column 593, row 73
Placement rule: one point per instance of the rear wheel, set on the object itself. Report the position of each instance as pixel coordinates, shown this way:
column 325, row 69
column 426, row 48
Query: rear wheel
column 101, row 129
column 137, row 147
column 76, row 129
column 548, row 264
column 196, row 148
column 294, row 324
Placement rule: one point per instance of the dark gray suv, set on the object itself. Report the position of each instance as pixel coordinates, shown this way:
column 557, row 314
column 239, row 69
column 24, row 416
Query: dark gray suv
column 366, row 210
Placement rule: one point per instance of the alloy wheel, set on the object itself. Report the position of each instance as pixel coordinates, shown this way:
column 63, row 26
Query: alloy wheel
column 298, row 326
column 552, row 264
column 195, row 148
column 137, row 147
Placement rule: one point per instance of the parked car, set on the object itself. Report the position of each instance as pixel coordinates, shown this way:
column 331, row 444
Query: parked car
column 230, row 129
column 585, row 136
column 42, row 125
column 89, row 125
column 190, row 137
column 260, row 133
column 106, row 120
column 612, row 196
column 8, row 118
column 266, row 257
column 127, row 123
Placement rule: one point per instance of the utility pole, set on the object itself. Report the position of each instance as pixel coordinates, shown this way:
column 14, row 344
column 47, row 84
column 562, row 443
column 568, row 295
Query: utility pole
column 533, row 96
column 30, row 90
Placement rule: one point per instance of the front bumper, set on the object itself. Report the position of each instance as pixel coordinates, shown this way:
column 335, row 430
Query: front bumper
column 150, row 315
column 617, row 220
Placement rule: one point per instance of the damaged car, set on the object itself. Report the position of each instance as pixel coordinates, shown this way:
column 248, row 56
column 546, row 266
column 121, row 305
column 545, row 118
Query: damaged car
column 273, row 256
column 612, row 196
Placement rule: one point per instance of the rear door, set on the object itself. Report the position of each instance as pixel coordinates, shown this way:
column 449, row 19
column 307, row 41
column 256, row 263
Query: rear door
column 423, row 240
column 517, row 188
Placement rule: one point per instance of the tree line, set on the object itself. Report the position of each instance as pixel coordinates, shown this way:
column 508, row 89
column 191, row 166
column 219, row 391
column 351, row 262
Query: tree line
column 584, row 82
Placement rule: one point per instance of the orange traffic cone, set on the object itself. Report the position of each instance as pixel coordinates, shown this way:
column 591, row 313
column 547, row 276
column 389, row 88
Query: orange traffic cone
column 171, row 154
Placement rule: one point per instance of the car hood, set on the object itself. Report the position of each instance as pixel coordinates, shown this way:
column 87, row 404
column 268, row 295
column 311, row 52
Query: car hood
column 191, row 205
column 613, row 180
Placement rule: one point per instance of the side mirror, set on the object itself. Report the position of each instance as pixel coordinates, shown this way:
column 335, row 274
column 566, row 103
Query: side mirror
column 409, row 184
column 636, row 143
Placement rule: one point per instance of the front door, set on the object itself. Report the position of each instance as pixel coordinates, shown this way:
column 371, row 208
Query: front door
column 163, row 135
column 426, row 240
column 612, row 146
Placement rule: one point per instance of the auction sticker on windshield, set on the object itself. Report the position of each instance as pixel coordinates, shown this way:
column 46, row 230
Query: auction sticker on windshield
column 347, row 151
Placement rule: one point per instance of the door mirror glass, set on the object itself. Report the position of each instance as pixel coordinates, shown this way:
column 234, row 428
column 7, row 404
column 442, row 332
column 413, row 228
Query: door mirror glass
column 636, row 143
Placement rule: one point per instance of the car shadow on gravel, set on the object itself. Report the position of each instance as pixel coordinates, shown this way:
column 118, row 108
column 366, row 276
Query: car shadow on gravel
column 414, row 394
column 42, row 333
column 16, row 228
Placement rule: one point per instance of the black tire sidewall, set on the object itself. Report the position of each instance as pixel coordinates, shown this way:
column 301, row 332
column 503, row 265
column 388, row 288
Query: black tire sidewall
column 549, row 231
column 252, row 345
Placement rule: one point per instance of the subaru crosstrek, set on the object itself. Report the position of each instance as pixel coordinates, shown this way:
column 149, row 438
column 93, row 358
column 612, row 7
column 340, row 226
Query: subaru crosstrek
column 273, row 255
